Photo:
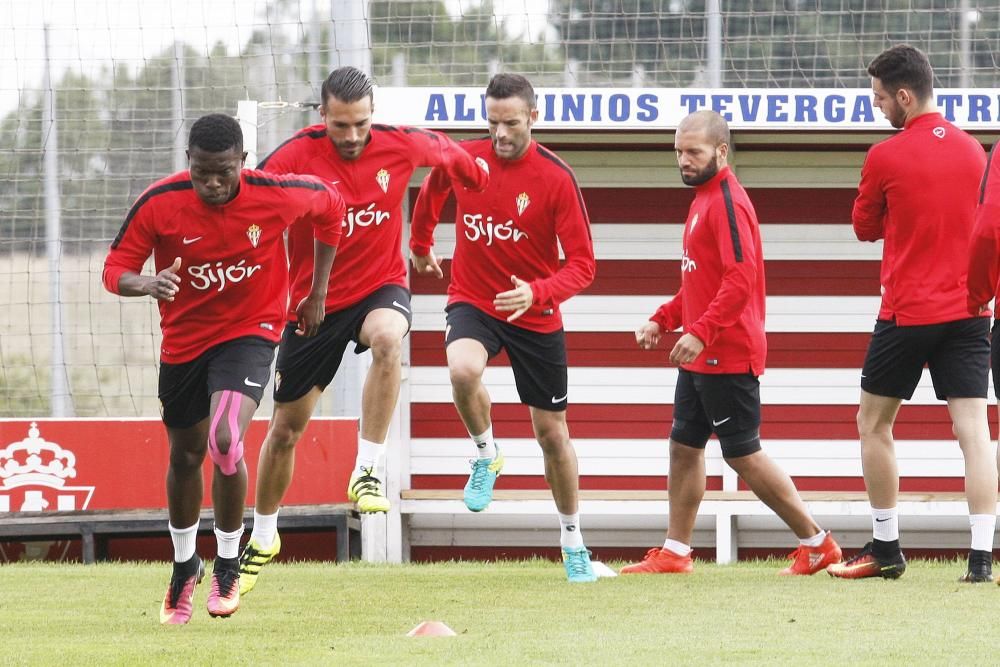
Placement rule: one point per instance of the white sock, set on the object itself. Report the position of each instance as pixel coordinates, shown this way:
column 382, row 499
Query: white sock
column 676, row 547
column 184, row 542
column 885, row 524
column 814, row 541
column 265, row 528
column 228, row 544
column 983, row 527
column 485, row 447
column 569, row 533
column 370, row 455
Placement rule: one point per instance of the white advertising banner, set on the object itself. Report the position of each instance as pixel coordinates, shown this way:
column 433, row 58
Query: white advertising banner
column 662, row 108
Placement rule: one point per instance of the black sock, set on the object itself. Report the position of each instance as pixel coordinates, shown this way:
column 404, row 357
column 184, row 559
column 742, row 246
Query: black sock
column 188, row 568
column 985, row 556
column 227, row 563
column 885, row 550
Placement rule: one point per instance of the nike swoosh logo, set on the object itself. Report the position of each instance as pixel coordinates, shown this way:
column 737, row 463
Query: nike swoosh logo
column 188, row 241
column 400, row 306
column 720, row 422
column 560, row 399
column 880, row 520
column 250, row 383
column 334, row 182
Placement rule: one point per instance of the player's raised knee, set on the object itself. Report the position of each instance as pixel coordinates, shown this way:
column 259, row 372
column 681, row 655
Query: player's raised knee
column 464, row 375
column 226, row 454
column 386, row 345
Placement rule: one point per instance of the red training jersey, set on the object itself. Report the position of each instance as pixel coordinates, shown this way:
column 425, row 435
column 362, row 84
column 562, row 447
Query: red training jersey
column 721, row 299
column 373, row 186
column 984, row 250
column 515, row 227
column 918, row 191
column 234, row 276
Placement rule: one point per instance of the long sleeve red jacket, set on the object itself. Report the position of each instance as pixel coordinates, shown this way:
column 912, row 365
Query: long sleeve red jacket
column 373, row 186
column 918, row 192
column 234, row 276
column 721, row 299
column 984, row 249
column 515, row 227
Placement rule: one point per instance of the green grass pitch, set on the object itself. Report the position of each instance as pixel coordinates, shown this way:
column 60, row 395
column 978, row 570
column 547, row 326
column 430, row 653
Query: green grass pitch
column 508, row 613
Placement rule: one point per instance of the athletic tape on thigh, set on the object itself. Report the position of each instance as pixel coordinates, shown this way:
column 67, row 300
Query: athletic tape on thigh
column 227, row 462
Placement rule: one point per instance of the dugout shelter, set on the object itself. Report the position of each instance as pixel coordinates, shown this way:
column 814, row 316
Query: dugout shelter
column 799, row 155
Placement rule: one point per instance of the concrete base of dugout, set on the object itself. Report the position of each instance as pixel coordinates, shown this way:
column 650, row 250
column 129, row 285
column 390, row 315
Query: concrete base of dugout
column 727, row 523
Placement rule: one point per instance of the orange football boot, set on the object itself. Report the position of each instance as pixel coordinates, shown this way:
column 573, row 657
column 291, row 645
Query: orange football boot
column 810, row 560
column 661, row 561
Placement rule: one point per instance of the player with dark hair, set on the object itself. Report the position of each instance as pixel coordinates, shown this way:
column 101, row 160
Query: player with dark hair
column 901, row 68
column 511, row 234
column 918, row 193
column 347, row 84
column 720, row 306
column 216, row 236
column 368, row 302
column 216, row 133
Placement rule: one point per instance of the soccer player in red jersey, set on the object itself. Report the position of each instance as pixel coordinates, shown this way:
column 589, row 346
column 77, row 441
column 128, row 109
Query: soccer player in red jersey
column 918, row 193
column 720, row 307
column 506, row 287
column 984, row 253
column 368, row 302
column 984, row 257
column 216, row 236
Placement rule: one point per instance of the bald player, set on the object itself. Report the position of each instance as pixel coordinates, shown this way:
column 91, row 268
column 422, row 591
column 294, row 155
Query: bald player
column 720, row 307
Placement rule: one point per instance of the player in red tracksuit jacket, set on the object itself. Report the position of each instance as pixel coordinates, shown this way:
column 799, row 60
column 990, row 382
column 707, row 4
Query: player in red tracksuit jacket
column 514, row 227
column 918, row 192
column 984, row 250
column 984, row 257
column 368, row 303
column 505, row 291
column 216, row 233
column 720, row 306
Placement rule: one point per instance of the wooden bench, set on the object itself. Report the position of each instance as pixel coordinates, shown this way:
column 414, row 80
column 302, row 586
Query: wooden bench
column 95, row 527
column 639, row 507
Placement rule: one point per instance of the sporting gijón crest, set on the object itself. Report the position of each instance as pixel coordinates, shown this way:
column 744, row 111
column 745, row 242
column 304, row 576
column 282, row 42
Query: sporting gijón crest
column 33, row 473
column 253, row 233
column 33, row 476
column 522, row 202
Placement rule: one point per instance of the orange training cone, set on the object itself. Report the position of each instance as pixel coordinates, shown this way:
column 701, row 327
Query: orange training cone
column 431, row 629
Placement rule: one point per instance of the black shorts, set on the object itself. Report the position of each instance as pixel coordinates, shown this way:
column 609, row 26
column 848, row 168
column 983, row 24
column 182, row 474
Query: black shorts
column 304, row 363
column 241, row 364
column 957, row 354
column 726, row 404
column 537, row 359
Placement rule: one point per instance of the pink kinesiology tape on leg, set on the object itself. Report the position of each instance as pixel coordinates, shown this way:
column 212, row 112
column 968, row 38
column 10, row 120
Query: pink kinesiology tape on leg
column 227, row 461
